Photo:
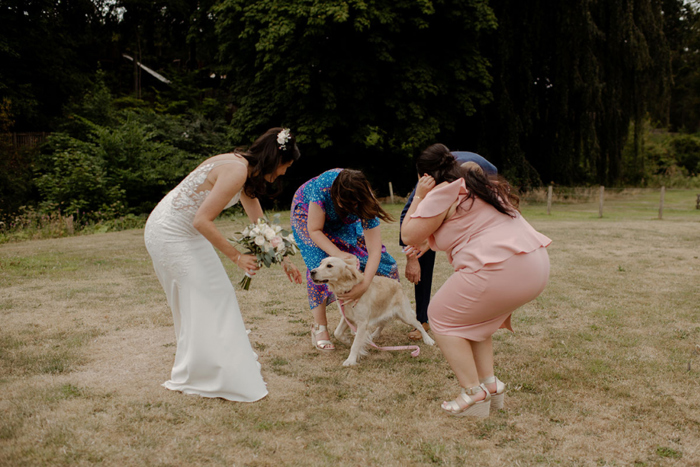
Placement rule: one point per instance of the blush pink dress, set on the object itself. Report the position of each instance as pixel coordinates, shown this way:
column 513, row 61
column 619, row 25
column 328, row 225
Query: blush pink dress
column 500, row 264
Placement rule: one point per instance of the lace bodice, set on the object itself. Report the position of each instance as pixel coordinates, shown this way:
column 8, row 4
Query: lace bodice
column 171, row 221
column 176, row 211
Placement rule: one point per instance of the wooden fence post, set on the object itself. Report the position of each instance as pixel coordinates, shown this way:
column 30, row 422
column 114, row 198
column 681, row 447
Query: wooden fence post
column 600, row 203
column 391, row 193
column 69, row 224
column 549, row 200
column 697, row 202
column 661, row 202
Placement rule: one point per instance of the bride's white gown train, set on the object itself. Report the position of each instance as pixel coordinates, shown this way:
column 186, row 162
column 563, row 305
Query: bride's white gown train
column 214, row 357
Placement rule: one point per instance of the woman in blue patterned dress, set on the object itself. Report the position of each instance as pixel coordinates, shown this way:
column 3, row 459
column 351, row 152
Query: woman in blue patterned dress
column 336, row 214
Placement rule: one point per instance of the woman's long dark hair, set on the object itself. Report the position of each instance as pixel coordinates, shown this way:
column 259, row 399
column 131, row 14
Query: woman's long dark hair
column 352, row 194
column 438, row 162
column 264, row 156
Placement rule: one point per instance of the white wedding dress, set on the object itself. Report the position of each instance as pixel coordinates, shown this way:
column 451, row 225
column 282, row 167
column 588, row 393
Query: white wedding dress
column 214, row 357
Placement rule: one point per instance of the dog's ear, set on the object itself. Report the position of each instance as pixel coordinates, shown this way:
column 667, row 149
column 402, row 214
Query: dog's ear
column 351, row 271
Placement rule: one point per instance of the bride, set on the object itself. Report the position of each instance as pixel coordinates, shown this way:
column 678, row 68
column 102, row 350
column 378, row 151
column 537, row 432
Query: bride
column 214, row 357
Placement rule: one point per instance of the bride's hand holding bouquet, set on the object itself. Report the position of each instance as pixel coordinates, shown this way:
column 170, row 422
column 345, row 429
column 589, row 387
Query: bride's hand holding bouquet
column 266, row 244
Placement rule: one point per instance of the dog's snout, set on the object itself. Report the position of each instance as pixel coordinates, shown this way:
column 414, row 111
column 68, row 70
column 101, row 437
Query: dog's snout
column 313, row 273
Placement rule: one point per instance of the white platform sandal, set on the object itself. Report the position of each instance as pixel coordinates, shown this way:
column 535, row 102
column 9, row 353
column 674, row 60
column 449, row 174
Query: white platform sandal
column 478, row 409
column 320, row 344
column 500, row 394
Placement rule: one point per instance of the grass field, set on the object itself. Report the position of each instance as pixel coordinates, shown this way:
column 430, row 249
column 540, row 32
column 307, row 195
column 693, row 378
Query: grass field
column 604, row 367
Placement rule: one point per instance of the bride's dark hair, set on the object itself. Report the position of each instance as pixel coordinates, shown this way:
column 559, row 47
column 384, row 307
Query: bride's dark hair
column 438, row 162
column 264, row 156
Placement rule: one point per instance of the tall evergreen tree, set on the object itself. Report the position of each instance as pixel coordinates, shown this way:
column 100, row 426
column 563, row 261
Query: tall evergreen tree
column 569, row 79
column 682, row 29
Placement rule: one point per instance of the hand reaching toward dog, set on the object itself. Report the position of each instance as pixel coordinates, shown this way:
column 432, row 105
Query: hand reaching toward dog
column 291, row 271
column 350, row 298
column 346, row 256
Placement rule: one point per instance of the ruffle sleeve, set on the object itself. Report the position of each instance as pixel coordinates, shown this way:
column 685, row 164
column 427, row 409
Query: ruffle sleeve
column 440, row 199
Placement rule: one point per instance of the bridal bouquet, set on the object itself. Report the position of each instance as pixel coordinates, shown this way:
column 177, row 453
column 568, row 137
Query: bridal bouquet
column 270, row 243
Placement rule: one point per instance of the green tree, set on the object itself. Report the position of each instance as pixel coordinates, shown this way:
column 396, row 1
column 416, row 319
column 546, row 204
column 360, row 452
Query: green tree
column 370, row 83
column 569, row 77
column 74, row 178
column 682, row 28
column 133, row 155
column 48, row 50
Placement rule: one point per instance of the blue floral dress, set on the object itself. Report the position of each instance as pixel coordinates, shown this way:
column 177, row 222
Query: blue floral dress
column 347, row 234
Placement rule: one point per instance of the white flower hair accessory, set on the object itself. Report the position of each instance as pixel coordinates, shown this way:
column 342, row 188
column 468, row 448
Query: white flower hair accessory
column 283, row 138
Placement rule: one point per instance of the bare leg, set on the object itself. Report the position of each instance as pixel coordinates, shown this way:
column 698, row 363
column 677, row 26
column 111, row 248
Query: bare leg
column 320, row 319
column 459, row 355
column 483, row 358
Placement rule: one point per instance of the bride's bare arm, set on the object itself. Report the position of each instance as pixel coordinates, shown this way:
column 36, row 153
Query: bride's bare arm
column 227, row 184
column 252, row 207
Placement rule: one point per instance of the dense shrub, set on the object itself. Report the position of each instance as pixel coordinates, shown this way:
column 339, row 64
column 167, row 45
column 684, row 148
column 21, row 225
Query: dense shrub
column 687, row 152
column 119, row 156
column 73, row 179
column 670, row 159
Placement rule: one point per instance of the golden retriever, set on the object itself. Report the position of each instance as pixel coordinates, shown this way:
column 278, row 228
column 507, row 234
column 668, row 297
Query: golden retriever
column 383, row 301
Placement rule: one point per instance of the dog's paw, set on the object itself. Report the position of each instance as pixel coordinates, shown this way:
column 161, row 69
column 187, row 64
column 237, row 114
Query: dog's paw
column 428, row 340
column 350, row 362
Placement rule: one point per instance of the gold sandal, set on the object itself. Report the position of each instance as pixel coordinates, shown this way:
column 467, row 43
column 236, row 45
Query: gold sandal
column 479, row 409
column 320, row 344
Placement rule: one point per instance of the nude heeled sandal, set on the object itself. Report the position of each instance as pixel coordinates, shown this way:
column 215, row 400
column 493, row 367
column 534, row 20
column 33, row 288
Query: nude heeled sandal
column 321, row 344
column 498, row 396
column 416, row 335
column 478, row 409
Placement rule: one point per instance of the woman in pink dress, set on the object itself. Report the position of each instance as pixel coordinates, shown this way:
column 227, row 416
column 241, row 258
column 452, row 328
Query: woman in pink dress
column 500, row 264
